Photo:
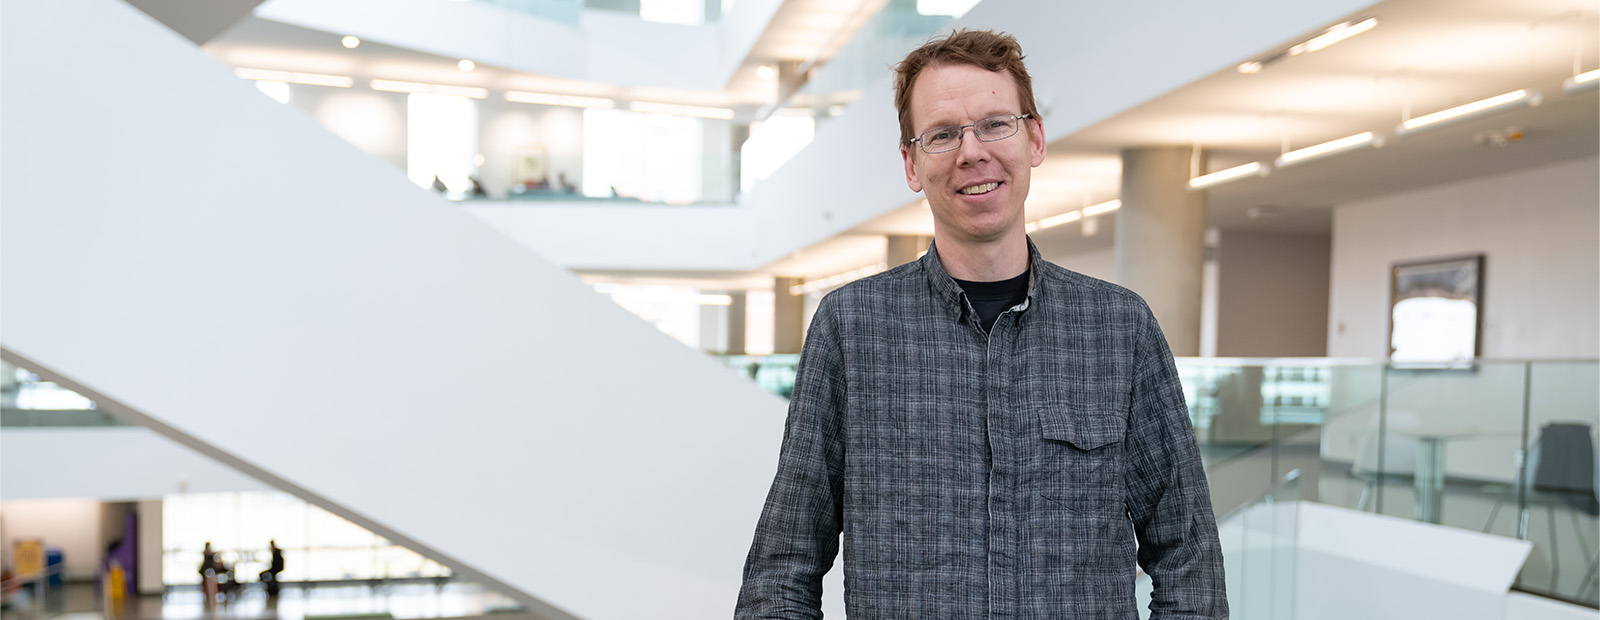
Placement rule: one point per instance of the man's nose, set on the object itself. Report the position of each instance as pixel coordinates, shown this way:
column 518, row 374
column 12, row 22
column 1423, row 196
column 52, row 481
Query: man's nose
column 972, row 150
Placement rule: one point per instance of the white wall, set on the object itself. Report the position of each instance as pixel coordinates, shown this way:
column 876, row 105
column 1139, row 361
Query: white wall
column 355, row 340
column 1100, row 264
column 107, row 463
column 371, row 120
column 73, row 525
column 1538, row 230
column 580, row 235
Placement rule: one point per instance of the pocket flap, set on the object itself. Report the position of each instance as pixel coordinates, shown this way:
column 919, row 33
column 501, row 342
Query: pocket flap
column 1084, row 430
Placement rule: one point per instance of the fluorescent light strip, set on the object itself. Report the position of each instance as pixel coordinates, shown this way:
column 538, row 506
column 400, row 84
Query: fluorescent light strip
column 429, row 89
column 1223, row 176
column 1073, row 216
column 566, row 100
column 837, row 279
column 1334, row 35
column 681, row 110
column 1104, row 207
column 1328, row 148
column 1514, row 98
column 1064, row 218
column 1581, row 82
column 310, row 79
column 713, row 300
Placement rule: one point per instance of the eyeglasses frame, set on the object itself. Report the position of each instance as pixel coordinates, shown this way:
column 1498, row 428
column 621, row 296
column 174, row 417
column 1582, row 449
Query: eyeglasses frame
column 961, row 133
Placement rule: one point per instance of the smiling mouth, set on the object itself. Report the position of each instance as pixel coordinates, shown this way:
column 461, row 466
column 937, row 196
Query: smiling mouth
column 978, row 189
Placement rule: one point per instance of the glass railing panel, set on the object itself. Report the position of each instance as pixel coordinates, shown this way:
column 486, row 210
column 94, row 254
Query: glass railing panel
column 1559, row 476
column 774, row 373
column 864, row 60
column 564, row 11
column 1349, row 475
column 1458, row 430
column 28, row 400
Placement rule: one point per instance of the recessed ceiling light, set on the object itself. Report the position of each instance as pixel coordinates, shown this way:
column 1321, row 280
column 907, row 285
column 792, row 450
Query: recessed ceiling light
column 766, row 72
column 467, row 65
column 350, row 42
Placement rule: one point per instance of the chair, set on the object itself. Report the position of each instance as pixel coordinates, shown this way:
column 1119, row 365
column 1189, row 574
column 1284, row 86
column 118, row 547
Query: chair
column 1561, row 469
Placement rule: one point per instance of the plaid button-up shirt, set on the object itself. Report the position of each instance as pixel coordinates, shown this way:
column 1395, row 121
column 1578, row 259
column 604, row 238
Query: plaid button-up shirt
column 999, row 476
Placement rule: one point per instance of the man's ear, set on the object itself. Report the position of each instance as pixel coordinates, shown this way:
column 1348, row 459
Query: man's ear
column 1036, row 139
column 911, row 169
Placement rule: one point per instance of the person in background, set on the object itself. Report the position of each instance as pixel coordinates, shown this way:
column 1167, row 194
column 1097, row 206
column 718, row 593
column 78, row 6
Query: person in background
column 270, row 576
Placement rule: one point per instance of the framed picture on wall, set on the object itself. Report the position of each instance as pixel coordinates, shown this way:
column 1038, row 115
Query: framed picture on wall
column 1436, row 311
column 533, row 166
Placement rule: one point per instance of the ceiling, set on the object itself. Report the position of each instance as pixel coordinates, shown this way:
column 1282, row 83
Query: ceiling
column 1423, row 56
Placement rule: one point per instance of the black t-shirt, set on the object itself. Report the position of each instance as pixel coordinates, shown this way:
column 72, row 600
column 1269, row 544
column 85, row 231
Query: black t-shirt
column 990, row 299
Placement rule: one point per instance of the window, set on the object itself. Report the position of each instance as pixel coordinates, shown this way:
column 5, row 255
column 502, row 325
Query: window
column 441, row 139
column 652, row 157
column 317, row 545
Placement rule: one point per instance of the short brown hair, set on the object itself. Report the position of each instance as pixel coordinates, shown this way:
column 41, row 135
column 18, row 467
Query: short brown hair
column 994, row 51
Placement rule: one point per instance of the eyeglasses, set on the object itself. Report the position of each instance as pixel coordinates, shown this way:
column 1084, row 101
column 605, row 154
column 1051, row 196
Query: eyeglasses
column 943, row 139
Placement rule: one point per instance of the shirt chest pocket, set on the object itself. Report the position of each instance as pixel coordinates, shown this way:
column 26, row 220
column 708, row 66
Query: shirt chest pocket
column 1081, row 460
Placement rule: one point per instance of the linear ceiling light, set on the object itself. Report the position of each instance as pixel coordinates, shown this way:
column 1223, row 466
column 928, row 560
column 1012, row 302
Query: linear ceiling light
column 1223, row 176
column 681, row 110
column 1581, row 82
column 837, row 279
column 1104, row 207
column 1064, row 218
column 311, row 79
column 429, row 89
column 1325, row 149
column 1513, row 99
column 1334, row 34
column 566, row 100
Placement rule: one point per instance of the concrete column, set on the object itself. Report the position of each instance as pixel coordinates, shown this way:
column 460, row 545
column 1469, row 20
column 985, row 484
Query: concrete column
column 788, row 316
column 1160, row 239
column 904, row 249
column 736, row 313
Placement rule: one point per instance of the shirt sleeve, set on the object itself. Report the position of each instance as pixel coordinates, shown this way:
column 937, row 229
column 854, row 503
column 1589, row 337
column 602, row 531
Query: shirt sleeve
column 797, row 537
column 1168, row 498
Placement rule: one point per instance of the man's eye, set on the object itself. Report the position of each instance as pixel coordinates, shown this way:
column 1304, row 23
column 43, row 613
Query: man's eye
column 998, row 123
column 941, row 135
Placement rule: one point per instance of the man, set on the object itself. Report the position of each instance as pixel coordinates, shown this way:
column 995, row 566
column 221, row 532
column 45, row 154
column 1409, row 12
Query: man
column 990, row 432
column 274, row 566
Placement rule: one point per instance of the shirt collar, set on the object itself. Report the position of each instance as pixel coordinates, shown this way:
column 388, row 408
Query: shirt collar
column 955, row 299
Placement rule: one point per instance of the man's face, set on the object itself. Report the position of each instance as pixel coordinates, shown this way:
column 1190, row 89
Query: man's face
column 956, row 183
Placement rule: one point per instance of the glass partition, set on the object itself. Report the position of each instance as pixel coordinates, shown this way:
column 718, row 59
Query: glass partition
column 1498, row 446
column 28, row 400
column 865, row 60
column 564, row 11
